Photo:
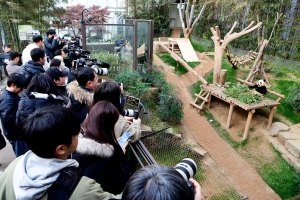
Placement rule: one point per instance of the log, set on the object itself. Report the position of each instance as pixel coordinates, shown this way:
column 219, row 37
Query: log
column 200, row 97
column 181, row 61
column 222, row 77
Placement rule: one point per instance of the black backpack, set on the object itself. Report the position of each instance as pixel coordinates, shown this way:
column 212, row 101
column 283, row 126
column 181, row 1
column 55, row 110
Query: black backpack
column 65, row 184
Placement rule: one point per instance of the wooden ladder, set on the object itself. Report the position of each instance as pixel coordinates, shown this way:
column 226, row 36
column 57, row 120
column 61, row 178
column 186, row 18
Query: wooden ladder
column 204, row 96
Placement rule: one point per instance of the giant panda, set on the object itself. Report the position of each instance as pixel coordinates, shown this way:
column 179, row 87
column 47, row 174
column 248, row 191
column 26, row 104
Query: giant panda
column 260, row 87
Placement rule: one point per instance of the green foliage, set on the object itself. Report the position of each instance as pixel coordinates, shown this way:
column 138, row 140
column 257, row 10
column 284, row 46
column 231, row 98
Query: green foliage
column 297, row 182
column 285, row 108
column 170, row 61
column 133, row 83
column 116, row 63
column 227, row 194
column 294, row 97
column 277, row 71
column 196, row 46
column 242, row 93
column 181, row 34
column 169, row 105
column 170, row 108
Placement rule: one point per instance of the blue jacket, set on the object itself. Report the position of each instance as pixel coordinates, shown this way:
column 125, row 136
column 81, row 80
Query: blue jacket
column 8, row 109
column 30, row 69
column 4, row 56
column 51, row 46
column 30, row 103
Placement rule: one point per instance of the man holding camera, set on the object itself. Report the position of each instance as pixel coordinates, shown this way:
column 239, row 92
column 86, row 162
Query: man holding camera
column 81, row 92
column 50, row 43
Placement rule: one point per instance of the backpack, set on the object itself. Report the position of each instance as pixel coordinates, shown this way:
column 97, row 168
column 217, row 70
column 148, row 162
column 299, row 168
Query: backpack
column 65, row 184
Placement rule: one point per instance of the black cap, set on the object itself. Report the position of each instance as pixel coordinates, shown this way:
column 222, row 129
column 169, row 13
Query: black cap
column 55, row 73
column 7, row 45
column 51, row 31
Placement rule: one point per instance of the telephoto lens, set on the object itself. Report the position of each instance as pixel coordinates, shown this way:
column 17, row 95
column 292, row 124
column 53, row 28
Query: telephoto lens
column 187, row 168
column 100, row 71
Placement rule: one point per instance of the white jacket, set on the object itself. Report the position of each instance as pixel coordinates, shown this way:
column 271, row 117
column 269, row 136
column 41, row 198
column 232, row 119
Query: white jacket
column 26, row 55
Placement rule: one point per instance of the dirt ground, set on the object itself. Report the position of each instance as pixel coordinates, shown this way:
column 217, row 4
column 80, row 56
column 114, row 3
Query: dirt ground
column 236, row 169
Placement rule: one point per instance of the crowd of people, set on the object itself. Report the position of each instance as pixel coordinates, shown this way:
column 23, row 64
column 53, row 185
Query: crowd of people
column 64, row 128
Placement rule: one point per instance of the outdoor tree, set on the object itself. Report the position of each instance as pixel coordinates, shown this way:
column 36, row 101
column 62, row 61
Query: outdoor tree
column 14, row 13
column 188, row 26
column 220, row 44
column 73, row 16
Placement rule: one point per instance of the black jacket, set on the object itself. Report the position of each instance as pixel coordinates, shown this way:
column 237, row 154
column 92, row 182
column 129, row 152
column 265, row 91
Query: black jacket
column 81, row 98
column 8, row 110
column 4, row 56
column 51, row 46
column 30, row 69
column 99, row 162
column 30, row 103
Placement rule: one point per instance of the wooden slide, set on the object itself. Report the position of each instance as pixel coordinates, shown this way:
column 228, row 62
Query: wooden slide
column 186, row 49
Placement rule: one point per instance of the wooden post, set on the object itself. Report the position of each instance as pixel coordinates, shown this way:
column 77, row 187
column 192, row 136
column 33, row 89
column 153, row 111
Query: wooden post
column 272, row 112
column 222, row 77
column 249, row 118
column 229, row 115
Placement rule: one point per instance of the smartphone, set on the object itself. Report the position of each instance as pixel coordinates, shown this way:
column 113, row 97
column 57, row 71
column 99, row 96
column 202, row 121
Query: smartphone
column 124, row 138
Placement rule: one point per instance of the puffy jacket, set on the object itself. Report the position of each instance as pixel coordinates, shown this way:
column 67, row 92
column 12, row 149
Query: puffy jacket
column 8, row 110
column 12, row 67
column 4, row 56
column 99, row 162
column 86, row 189
column 123, row 125
column 30, row 103
column 81, row 98
column 51, row 46
column 30, row 69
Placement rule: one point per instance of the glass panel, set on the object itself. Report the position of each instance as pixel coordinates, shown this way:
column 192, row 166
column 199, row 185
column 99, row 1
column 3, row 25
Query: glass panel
column 143, row 35
column 111, row 43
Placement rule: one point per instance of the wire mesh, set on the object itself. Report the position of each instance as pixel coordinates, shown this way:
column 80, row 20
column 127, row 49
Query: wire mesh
column 168, row 149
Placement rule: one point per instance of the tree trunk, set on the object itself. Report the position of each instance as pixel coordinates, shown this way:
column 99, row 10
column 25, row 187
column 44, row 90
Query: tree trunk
column 219, row 52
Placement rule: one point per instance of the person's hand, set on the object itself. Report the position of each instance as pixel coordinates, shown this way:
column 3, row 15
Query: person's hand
column 56, row 37
column 197, row 189
column 129, row 119
column 139, row 121
column 124, row 147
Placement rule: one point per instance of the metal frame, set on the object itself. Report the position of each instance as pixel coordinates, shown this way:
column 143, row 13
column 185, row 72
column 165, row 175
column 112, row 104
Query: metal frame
column 149, row 55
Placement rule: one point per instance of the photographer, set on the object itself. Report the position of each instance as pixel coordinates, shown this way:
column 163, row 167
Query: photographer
column 160, row 183
column 65, row 54
column 111, row 91
column 81, row 91
column 50, row 43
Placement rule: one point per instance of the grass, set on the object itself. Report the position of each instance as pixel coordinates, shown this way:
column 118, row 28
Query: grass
column 280, row 176
column 196, row 46
column 226, row 194
column 193, row 64
column 285, row 109
column 166, row 58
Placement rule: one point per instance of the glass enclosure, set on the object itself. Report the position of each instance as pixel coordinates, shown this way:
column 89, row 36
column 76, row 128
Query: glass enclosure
column 130, row 41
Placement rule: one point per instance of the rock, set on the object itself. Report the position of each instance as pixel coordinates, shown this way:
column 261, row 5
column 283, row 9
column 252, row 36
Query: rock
column 171, row 131
column 293, row 146
column 145, row 130
column 284, row 136
column 278, row 127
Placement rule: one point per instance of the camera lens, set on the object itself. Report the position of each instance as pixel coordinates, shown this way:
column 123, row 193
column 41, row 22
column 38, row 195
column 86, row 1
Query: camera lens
column 128, row 112
column 187, row 168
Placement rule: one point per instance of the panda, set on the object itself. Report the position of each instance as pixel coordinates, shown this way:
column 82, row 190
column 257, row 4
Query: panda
column 260, row 87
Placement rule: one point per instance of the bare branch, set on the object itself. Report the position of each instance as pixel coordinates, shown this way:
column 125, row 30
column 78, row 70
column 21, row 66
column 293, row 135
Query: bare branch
column 180, row 15
column 187, row 14
column 192, row 12
column 200, row 14
column 277, row 19
column 249, row 26
column 232, row 28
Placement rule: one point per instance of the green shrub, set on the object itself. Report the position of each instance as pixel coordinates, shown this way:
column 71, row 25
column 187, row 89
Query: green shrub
column 132, row 82
column 294, row 97
column 170, row 108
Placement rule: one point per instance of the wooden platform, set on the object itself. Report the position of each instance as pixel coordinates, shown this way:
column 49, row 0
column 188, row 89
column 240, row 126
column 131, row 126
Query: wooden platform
column 185, row 47
column 213, row 90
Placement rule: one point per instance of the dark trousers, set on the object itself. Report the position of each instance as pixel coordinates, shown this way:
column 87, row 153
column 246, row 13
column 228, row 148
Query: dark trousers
column 19, row 147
